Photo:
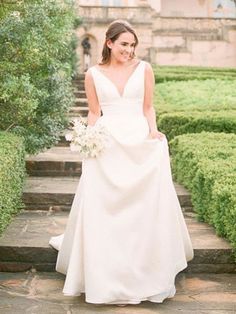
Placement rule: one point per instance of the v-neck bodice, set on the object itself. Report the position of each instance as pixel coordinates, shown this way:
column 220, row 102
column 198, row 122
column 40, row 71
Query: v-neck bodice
column 110, row 99
column 121, row 94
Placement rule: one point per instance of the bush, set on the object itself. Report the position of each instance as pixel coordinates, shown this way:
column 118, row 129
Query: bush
column 205, row 163
column 174, row 124
column 12, row 173
column 195, row 95
column 36, row 69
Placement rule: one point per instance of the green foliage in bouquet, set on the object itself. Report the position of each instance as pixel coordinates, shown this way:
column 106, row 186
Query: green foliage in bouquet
column 36, row 68
column 205, row 163
column 12, row 174
column 173, row 124
column 196, row 95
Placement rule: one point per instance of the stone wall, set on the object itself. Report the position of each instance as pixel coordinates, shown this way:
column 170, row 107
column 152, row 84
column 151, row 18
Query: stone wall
column 199, row 8
column 194, row 41
column 163, row 40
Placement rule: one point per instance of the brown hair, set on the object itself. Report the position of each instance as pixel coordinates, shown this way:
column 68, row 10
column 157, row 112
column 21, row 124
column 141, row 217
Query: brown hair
column 114, row 30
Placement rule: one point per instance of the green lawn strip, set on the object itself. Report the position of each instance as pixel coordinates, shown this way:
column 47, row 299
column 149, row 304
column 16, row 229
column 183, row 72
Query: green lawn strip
column 195, row 95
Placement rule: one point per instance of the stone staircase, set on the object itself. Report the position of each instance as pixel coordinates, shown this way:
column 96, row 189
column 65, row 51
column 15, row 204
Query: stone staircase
column 52, row 179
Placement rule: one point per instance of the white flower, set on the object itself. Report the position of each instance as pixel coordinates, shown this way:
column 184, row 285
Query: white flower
column 88, row 141
column 69, row 136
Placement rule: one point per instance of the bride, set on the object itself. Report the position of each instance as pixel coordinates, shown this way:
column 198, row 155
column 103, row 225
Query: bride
column 126, row 238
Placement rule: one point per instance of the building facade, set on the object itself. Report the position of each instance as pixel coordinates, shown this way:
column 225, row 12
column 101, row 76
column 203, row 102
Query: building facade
column 186, row 32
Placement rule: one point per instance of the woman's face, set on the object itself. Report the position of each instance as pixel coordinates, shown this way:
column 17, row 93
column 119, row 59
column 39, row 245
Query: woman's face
column 123, row 47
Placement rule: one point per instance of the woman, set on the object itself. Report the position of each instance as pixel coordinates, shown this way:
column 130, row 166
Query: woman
column 126, row 237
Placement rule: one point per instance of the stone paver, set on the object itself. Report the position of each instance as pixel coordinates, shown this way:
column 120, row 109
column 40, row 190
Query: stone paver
column 25, row 243
column 36, row 293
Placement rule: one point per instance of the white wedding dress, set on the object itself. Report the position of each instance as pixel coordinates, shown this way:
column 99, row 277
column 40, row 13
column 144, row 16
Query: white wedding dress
column 126, row 237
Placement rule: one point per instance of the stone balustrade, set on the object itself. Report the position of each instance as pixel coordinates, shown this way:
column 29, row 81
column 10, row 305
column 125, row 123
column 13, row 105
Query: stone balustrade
column 101, row 14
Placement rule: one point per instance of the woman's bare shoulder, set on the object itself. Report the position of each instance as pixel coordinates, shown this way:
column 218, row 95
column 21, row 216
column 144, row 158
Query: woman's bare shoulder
column 148, row 67
column 89, row 75
column 147, row 64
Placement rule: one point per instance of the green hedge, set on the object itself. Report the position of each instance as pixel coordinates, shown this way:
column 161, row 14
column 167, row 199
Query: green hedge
column 184, row 73
column 12, row 174
column 173, row 124
column 195, row 95
column 205, row 164
column 36, row 68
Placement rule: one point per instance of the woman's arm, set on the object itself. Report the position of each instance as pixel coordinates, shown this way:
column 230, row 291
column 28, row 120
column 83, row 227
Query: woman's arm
column 93, row 104
column 148, row 108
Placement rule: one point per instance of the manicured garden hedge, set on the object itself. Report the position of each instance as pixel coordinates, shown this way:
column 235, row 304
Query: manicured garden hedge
column 36, row 68
column 173, row 124
column 12, row 173
column 184, row 73
column 195, row 95
column 205, row 163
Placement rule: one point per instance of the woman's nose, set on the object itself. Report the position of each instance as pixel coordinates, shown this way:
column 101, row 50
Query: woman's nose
column 129, row 49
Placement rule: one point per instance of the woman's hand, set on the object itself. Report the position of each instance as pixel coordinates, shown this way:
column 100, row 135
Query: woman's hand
column 156, row 134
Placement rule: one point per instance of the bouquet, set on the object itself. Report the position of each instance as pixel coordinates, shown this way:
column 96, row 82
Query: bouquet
column 88, row 141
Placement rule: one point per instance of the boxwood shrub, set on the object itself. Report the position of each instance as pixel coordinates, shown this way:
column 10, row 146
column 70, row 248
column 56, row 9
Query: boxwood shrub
column 173, row 124
column 205, row 163
column 12, row 174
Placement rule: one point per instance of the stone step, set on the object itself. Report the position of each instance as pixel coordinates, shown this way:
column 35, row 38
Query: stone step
column 79, row 94
column 58, row 192
column 46, row 193
column 80, row 76
column 79, row 85
column 81, row 102
column 56, row 161
column 77, row 114
column 24, row 244
column 78, row 111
